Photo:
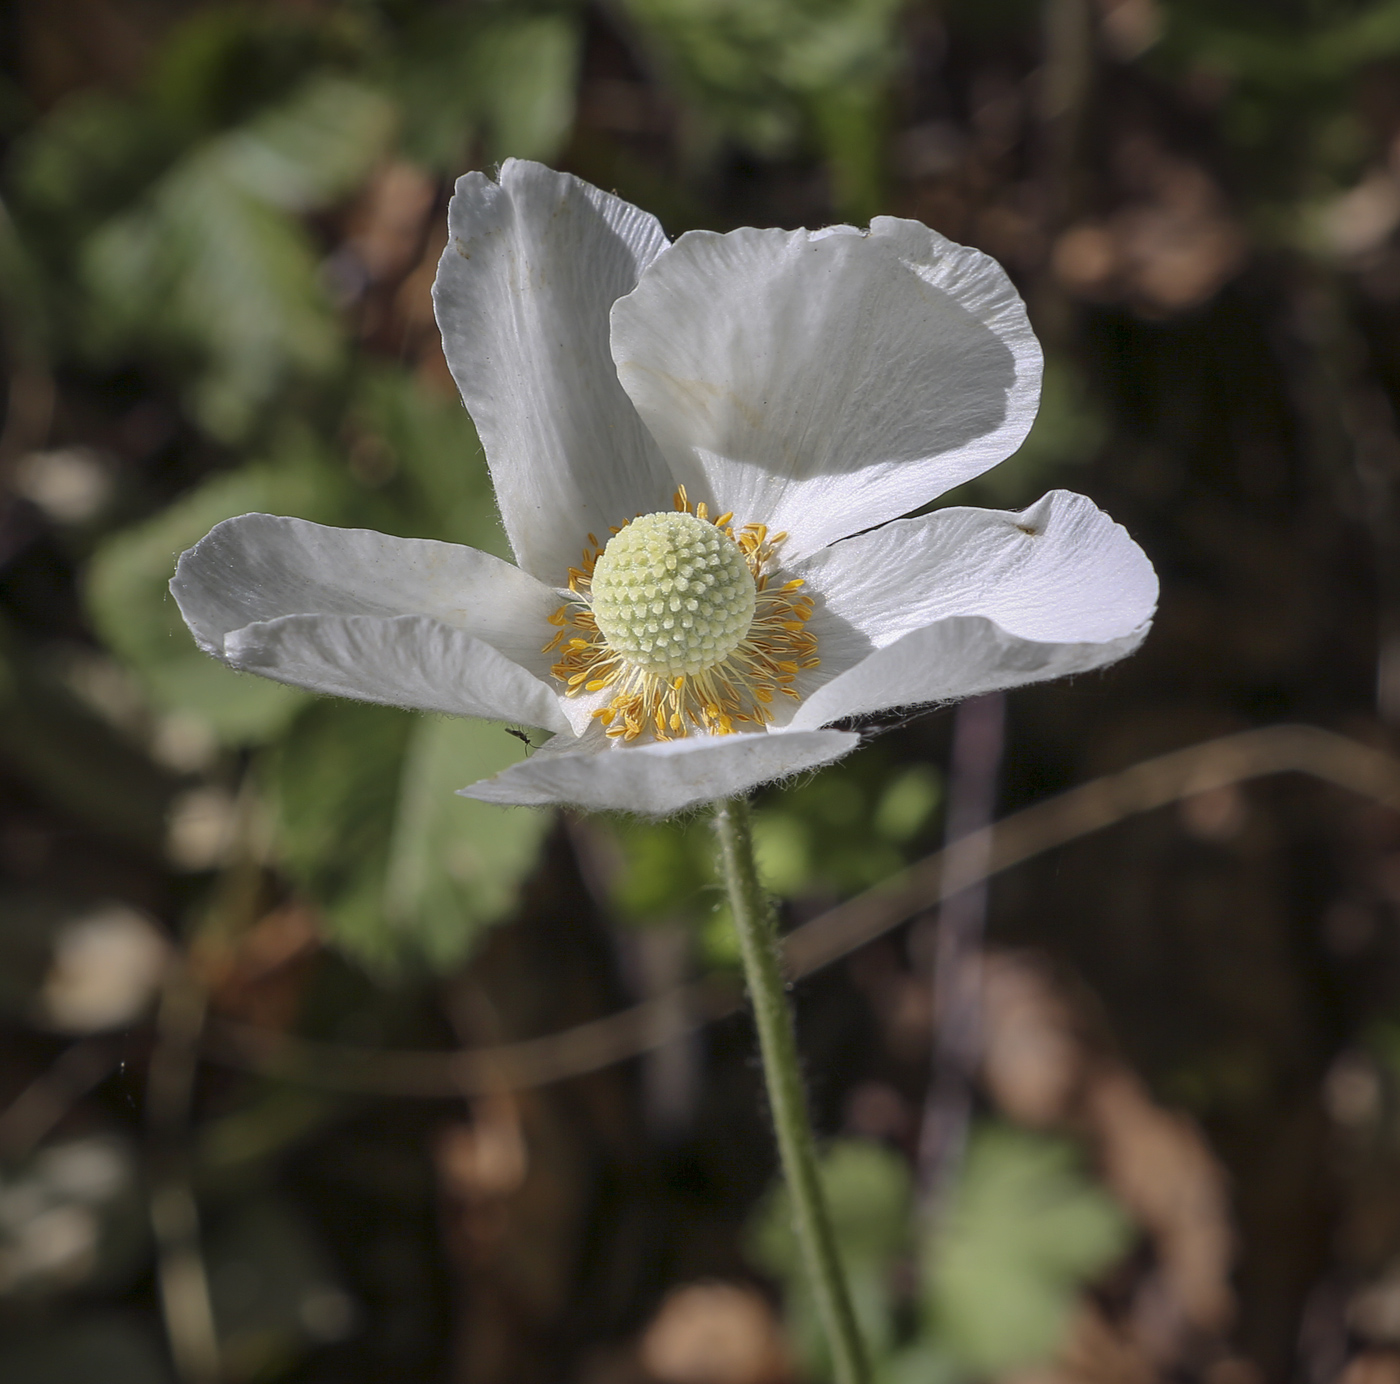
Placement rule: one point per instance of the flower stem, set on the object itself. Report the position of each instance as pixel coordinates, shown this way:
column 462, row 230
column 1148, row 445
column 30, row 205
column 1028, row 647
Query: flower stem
column 777, row 1041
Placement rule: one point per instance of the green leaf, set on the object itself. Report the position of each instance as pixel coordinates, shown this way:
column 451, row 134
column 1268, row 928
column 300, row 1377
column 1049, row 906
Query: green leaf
column 310, row 151
column 225, row 62
column 440, row 487
column 87, row 159
column 370, row 825
column 505, row 80
column 824, row 833
column 923, row 1362
column 782, row 845
column 907, row 802
column 869, row 1194
column 129, row 602
column 665, row 868
column 214, row 269
column 334, row 786
column 456, row 865
column 528, row 69
column 1025, row 1230
column 766, row 71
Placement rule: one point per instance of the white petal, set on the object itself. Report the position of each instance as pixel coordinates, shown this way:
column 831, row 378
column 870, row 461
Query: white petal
column 823, row 383
column 659, row 778
column 1058, row 570
column 964, row 600
column 962, row 656
column 409, row 660
column 531, row 268
column 259, row 567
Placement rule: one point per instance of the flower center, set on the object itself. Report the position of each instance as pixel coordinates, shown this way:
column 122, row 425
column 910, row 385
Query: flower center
column 677, row 618
column 673, row 594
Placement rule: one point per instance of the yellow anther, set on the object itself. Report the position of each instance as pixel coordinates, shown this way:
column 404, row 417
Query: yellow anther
column 668, row 569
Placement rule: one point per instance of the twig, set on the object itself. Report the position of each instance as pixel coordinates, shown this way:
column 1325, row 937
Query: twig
column 180, row 1273
column 78, row 1069
column 1065, row 80
column 1103, row 802
column 588, row 1047
column 978, row 734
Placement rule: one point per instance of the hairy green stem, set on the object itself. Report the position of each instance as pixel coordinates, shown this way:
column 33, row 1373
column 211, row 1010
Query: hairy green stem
column 777, row 1041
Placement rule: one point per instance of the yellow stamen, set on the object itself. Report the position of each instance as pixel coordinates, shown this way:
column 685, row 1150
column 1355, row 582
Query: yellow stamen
column 659, row 632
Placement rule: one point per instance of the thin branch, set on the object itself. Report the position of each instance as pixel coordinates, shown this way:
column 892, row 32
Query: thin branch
column 978, row 737
column 180, row 1271
column 32, row 1115
column 588, row 1047
column 1101, row 803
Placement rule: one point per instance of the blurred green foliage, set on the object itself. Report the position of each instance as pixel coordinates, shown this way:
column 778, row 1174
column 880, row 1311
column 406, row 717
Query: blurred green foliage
column 993, row 1282
column 179, row 229
column 1287, row 76
column 827, row 836
column 870, row 1198
column 773, row 73
column 1025, row 1230
column 1067, row 434
column 172, row 230
column 492, row 72
column 213, row 268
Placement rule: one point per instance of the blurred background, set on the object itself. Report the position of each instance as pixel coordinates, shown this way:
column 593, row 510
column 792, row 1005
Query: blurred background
column 271, row 1104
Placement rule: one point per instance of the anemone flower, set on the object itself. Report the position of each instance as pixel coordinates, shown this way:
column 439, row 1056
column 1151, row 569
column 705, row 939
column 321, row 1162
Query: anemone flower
column 701, row 451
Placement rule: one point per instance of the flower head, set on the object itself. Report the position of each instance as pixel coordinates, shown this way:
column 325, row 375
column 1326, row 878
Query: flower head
column 701, row 451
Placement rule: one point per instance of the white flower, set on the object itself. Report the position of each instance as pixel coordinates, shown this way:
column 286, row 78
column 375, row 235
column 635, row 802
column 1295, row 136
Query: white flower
column 729, row 427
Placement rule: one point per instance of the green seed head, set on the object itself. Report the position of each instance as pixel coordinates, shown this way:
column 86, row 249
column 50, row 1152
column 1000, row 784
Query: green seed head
column 673, row 594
